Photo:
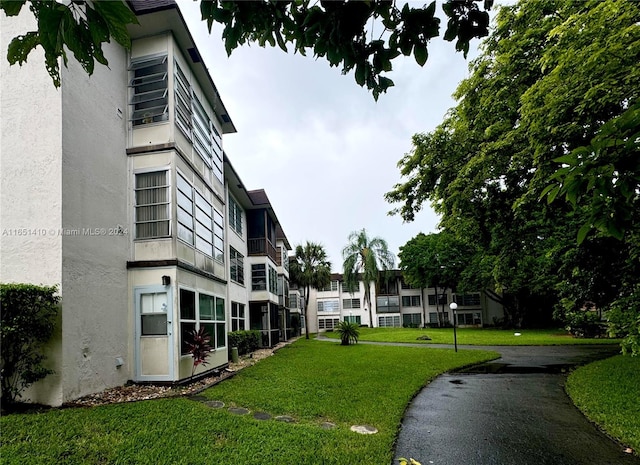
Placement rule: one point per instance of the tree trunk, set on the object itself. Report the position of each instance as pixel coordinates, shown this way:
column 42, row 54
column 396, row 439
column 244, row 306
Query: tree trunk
column 440, row 315
column 444, row 291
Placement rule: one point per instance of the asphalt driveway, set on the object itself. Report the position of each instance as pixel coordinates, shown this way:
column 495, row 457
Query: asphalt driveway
column 513, row 410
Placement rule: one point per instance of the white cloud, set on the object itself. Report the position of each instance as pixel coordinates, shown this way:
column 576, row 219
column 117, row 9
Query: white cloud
column 321, row 147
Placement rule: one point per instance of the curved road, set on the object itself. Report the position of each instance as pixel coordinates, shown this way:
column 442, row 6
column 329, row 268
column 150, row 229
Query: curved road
column 513, row 410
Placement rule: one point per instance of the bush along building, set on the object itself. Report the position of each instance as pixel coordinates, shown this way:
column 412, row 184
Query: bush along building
column 115, row 188
column 396, row 304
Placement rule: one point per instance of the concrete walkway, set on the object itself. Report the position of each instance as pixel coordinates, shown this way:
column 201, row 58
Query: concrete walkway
column 512, row 410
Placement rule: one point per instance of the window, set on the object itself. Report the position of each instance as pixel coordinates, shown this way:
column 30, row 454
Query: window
column 237, row 265
column 284, row 258
column 201, row 131
column 237, row 317
column 150, row 100
column 433, row 318
column 199, row 310
column 259, row 277
column 204, row 226
column 388, row 304
column 389, row 321
column 199, row 223
column 333, row 286
column 388, row 287
column 442, row 299
column 151, row 205
column 283, row 289
column 153, row 310
column 411, row 320
column 328, row 306
column 353, row 319
column 293, row 300
column 217, row 153
column 328, row 323
column 468, row 300
column 235, row 216
column 183, row 111
column 185, row 210
column 218, row 236
column 469, row 318
column 411, row 301
column 350, row 303
column 273, row 280
column 194, row 121
column 345, row 288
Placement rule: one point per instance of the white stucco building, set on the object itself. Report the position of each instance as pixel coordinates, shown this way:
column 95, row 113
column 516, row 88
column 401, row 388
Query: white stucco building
column 396, row 304
column 115, row 187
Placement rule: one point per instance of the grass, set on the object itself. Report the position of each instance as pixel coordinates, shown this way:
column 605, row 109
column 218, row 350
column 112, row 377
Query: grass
column 608, row 393
column 309, row 380
column 475, row 336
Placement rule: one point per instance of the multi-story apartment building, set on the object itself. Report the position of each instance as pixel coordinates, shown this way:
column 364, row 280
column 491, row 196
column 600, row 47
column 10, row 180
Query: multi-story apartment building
column 115, row 188
column 396, row 304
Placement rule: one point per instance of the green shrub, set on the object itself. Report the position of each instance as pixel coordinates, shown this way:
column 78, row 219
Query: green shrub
column 348, row 332
column 28, row 315
column 245, row 341
column 624, row 321
column 578, row 320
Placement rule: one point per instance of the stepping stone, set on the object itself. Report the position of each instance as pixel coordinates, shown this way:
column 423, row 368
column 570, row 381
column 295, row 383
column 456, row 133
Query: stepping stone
column 261, row 416
column 214, row 404
column 327, row 425
column 198, row 398
column 238, row 410
column 285, row 418
column 364, row 429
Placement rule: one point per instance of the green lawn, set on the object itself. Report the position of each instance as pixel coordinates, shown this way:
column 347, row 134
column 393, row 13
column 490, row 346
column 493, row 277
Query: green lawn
column 608, row 392
column 475, row 336
column 309, row 380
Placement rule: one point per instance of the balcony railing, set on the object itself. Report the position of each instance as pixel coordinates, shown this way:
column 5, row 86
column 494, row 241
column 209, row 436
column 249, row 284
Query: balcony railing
column 262, row 246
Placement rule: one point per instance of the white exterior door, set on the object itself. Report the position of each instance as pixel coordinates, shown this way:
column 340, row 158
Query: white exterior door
column 154, row 334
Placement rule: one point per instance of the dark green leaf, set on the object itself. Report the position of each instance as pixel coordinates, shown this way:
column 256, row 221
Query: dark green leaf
column 117, row 16
column 420, row 53
column 12, row 7
column 582, row 233
column 360, row 74
column 452, row 31
column 20, row 46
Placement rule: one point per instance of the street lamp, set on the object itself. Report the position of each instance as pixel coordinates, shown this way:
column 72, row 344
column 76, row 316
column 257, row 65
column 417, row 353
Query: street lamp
column 453, row 306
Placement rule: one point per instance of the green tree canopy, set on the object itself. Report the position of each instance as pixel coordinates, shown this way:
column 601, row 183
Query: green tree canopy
column 364, row 258
column 310, row 268
column 550, row 109
column 361, row 36
column 435, row 260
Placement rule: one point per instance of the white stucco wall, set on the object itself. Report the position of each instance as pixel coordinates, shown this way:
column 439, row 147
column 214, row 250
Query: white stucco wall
column 95, row 199
column 31, row 182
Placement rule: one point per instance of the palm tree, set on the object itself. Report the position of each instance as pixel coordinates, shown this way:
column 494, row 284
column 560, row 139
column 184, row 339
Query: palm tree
column 310, row 268
column 364, row 258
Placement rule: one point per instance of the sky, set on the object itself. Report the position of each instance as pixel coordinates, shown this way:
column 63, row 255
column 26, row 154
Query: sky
column 320, row 146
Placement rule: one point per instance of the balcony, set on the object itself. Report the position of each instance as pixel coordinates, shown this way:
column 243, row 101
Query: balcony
column 262, row 246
